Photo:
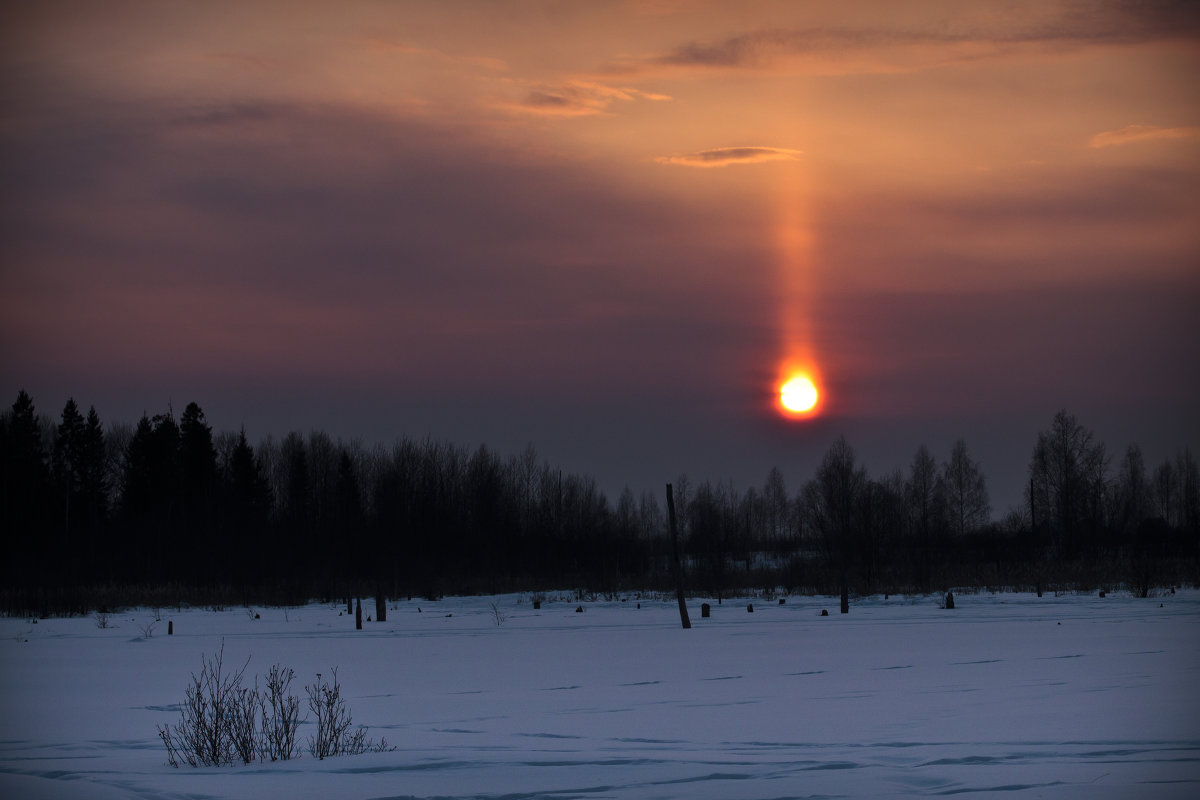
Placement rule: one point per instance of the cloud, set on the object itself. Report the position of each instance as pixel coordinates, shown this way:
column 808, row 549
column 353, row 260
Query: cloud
column 578, row 98
column 883, row 47
column 1141, row 133
column 404, row 48
column 294, row 238
column 724, row 156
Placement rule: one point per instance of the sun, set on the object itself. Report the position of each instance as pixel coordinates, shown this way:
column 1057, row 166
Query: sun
column 799, row 395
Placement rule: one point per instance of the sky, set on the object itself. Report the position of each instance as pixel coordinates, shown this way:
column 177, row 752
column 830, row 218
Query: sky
column 611, row 229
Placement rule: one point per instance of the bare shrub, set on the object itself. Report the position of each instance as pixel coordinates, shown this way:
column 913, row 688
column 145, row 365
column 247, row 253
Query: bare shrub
column 147, row 629
column 280, row 715
column 498, row 616
column 204, row 735
column 243, row 727
column 222, row 722
column 333, row 736
column 102, row 619
column 333, row 720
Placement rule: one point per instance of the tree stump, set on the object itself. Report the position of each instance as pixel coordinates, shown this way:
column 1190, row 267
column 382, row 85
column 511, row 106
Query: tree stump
column 170, row 627
column 950, row 600
column 380, row 607
column 358, row 615
column 705, row 611
column 824, row 612
column 537, row 604
column 749, row 608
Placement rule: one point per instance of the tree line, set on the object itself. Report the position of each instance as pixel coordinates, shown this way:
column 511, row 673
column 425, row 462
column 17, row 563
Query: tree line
column 167, row 511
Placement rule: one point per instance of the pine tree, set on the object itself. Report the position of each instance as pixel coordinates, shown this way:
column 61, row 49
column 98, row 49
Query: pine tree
column 198, row 469
column 68, row 466
column 249, row 492
column 25, row 482
column 93, row 473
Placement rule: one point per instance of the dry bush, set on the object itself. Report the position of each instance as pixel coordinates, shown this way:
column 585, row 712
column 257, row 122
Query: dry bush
column 223, row 722
column 280, row 715
column 206, row 732
column 333, row 736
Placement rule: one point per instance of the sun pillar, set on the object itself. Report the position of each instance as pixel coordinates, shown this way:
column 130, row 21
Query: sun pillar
column 798, row 390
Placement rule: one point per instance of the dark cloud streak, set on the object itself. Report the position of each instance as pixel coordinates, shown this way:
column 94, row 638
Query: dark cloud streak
column 1080, row 24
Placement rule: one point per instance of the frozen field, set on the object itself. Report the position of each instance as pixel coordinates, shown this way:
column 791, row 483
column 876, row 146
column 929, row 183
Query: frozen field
column 1007, row 696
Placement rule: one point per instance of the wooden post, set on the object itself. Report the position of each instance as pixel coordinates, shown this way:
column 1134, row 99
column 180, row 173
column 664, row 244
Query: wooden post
column 380, row 607
column 683, row 612
column 170, row 627
column 358, row 615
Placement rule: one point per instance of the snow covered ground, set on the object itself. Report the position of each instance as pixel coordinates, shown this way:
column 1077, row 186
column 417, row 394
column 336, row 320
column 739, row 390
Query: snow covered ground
column 1006, row 696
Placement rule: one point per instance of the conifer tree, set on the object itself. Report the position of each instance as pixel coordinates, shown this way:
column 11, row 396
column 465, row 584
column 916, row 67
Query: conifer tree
column 68, row 466
column 93, row 472
column 198, row 468
column 26, row 479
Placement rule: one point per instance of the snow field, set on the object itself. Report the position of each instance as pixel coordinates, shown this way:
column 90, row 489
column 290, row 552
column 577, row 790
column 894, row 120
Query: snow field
column 1008, row 695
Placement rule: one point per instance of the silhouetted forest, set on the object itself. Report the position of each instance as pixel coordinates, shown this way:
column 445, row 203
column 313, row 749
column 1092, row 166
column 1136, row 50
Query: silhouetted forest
column 166, row 512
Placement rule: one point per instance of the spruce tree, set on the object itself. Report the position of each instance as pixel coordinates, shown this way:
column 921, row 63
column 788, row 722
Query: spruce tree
column 68, row 467
column 198, row 469
column 93, row 473
column 26, row 483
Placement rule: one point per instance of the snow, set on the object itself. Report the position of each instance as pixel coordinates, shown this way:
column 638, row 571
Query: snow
column 1008, row 695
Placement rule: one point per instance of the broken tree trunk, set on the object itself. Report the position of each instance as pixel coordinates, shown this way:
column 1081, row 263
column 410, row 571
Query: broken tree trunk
column 678, row 565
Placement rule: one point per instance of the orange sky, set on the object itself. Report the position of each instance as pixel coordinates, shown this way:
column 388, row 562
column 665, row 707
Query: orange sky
column 504, row 218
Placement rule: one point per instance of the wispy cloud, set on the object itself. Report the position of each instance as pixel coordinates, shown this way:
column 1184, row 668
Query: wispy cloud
column 871, row 48
column 725, row 156
column 486, row 62
column 578, row 98
column 1141, row 133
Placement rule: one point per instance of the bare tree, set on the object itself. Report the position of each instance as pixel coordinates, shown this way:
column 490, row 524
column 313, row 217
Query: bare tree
column 965, row 490
column 777, row 511
column 833, row 504
column 1132, row 501
column 1067, row 480
column 1187, row 492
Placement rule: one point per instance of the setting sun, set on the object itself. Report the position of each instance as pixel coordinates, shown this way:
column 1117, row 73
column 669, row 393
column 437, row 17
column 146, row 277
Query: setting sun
column 799, row 395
